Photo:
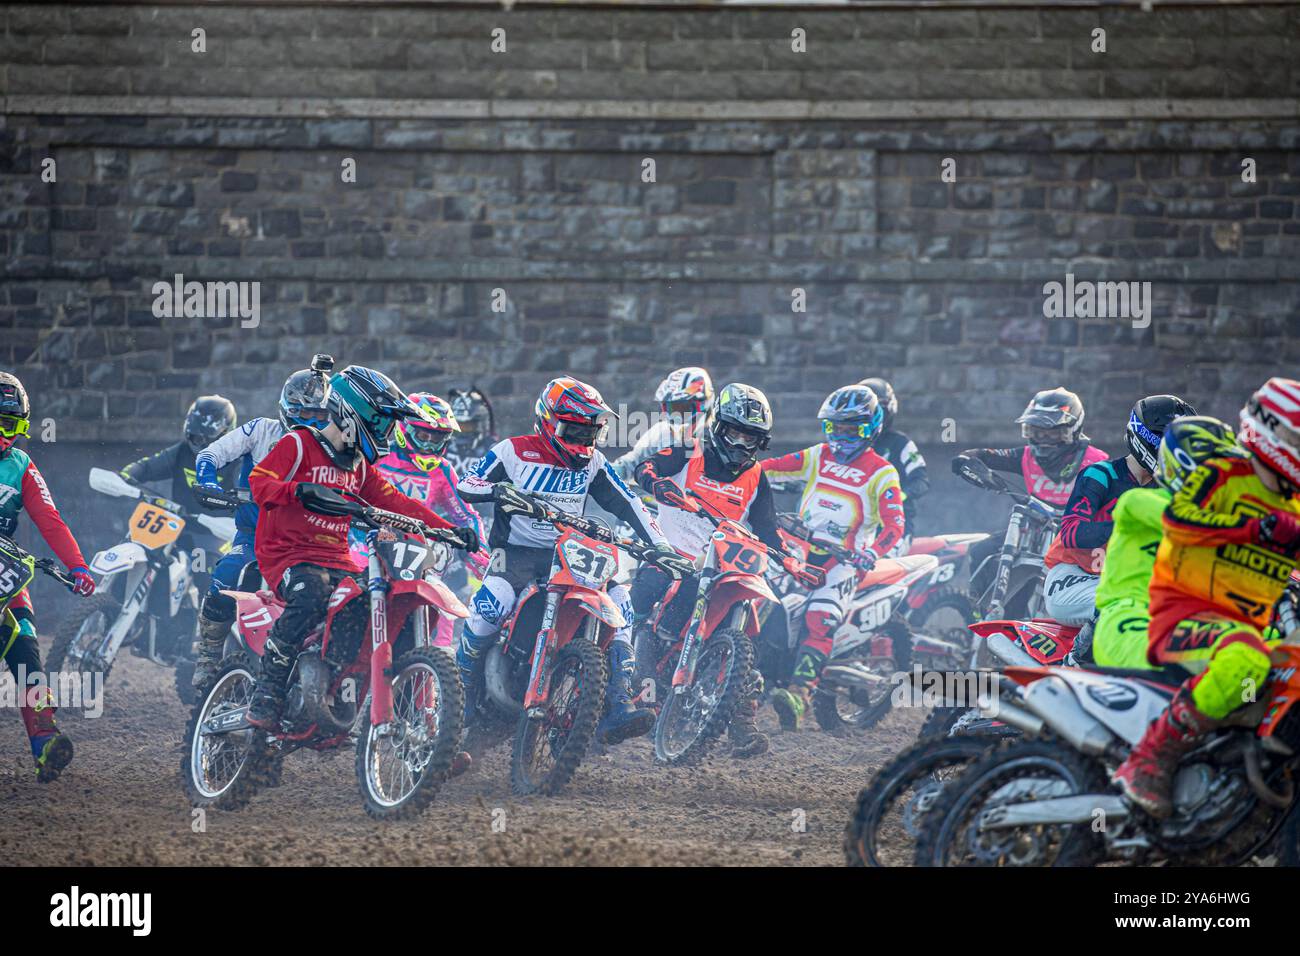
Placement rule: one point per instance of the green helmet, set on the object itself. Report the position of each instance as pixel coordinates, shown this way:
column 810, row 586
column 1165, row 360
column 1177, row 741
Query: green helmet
column 1188, row 442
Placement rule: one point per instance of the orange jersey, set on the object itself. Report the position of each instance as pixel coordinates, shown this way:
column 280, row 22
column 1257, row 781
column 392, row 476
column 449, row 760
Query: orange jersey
column 1208, row 558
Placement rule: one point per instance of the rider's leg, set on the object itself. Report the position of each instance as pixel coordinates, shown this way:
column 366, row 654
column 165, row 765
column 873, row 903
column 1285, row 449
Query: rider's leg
column 306, row 589
column 492, row 603
column 1120, row 636
column 218, row 610
column 1232, row 658
column 623, row 720
column 51, row 750
column 822, row 617
column 746, row 739
column 1070, row 594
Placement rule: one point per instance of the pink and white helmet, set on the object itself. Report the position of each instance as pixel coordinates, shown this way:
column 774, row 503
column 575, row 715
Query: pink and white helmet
column 1270, row 428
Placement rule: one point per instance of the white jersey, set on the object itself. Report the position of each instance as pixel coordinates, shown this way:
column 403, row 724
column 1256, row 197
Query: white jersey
column 251, row 441
column 664, row 433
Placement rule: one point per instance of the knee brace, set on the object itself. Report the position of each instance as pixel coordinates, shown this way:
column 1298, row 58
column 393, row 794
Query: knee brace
column 1236, row 673
column 494, row 599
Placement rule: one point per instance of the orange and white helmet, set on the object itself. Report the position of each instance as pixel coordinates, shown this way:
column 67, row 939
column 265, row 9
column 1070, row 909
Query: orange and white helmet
column 572, row 417
column 1270, row 428
column 687, row 391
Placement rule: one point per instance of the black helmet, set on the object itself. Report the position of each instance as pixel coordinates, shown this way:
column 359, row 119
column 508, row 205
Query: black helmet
column 885, row 393
column 210, row 417
column 366, row 406
column 472, row 410
column 740, row 426
column 305, row 395
column 1052, row 423
column 1147, row 423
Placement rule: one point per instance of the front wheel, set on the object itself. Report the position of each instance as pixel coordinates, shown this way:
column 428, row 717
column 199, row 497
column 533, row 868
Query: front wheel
column 691, row 720
column 551, row 740
column 847, row 709
column 402, row 766
column 79, row 636
column 1018, row 772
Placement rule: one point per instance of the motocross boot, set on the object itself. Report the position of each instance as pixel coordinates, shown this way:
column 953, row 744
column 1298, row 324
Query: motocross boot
column 51, row 750
column 746, row 739
column 267, row 704
column 1147, row 776
column 623, row 720
column 791, row 703
column 211, row 645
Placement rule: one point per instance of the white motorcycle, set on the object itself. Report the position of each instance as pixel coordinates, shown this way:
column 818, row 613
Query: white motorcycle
column 146, row 596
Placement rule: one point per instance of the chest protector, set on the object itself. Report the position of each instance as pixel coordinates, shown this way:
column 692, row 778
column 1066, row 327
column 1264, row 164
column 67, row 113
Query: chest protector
column 1044, row 488
column 12, row 468
column 727, row 499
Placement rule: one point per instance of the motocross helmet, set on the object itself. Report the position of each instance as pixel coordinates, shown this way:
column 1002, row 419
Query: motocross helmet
column 305, row 394
column 851, row 419
column 472, row 410
column 1052, row 425
column 1147, row 423
column 210, row 417
column 1187, row 443
column 573, row 418
column 366, row 406
column 888, row 400
column 685, row 395
column 741, row 426
column 1270, row 430
column 425, row 439
column 15, row 412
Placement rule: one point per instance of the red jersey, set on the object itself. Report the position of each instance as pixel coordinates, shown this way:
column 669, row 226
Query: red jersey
column 289, row 534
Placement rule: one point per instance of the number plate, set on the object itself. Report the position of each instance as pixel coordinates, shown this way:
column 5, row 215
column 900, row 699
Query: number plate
column 155, row 527
column 409, row 559
column 589, row 563
column 16, row 571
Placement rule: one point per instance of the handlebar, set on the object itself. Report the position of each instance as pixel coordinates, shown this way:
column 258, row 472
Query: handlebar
column 223, row 499
column 51, row 567
column 975, row 472
column 808, row 576
column 327, row 501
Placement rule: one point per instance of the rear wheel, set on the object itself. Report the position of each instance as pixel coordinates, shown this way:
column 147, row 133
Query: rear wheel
column 401, row 769
column 690, row 721
column 550, row 744
column 889, row 810
column 947, row 614
column 847, row 709
column 225, row 769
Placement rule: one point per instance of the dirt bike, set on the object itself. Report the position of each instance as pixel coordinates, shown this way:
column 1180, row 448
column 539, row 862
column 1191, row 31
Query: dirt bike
column 1014, row 576
column 546, row 672
column 873, row 643
column 146, row 597
column 1036, row 801
column 17, row 569
column 706, row 667
column 398, row 696
column 937, row 606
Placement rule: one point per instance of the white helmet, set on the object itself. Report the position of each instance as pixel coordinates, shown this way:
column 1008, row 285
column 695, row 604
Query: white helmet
column 686, row 390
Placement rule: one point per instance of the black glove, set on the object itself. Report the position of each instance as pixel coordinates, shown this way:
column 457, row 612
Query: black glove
column 510, row 500
column 468, row 538
column 862, row 560
column 676, row 566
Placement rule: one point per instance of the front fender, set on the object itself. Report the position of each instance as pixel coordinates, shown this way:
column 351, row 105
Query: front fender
column 118, row 558
column 598, row 604
column 730, row 591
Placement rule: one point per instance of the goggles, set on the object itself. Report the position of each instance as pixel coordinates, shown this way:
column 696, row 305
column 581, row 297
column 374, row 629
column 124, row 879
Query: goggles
column 583, row 434
column 308, row 415
column 847, row 429
column 1037, row 435
column 683, row 407
column 738, row 438
column 11, row 426
column 431, row 441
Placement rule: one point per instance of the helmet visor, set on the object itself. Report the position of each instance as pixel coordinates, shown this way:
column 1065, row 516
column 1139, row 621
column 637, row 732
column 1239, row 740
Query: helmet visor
column 11, row 426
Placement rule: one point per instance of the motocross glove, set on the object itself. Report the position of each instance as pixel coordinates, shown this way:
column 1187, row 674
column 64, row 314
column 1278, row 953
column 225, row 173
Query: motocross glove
column 511, row 500
column 1279, row 530
column 666, row 492
column 863, row 560
column 468, row 539
column 667, row 560
column 82, row 582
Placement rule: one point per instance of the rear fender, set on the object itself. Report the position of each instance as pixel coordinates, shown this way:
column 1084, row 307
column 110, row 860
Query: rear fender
column 1047, row 642
column 254, row 615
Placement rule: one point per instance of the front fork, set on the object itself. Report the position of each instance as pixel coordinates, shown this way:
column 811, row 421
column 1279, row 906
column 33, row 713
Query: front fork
column 381, row 651
column 684, row 676
column 1007, row 557
column 539, row 678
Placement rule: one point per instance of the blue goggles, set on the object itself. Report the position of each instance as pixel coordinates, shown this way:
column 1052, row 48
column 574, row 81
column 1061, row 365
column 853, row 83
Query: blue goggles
column 848, row 430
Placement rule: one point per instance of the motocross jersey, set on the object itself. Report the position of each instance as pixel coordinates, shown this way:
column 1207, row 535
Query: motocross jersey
column 248, row 444
column 1209, row 559
column 901, row 452
column 664, row 433
column 178, row 464
column 438, row 488
column 528, row 463
column 1086, row 524
column 465, row 452
column 23, row 486
column 746, row 498
column 1131, row 552
column 857, row 505
column 1020, row 460
column 289, row 534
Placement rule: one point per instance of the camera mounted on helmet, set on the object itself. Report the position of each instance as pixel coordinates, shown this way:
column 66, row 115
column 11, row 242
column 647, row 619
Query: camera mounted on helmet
column 304, row 398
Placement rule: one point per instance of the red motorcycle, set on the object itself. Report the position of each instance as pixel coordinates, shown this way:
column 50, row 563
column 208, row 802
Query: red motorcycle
column 938, row 609
column 406, row 737
column 548, row 667
column 714, row 653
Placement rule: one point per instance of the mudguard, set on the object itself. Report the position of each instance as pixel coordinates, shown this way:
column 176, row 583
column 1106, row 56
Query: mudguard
column 731, row 590
column 598, row 604
column 1046, row 641
column 118, row 558
column 254, row 615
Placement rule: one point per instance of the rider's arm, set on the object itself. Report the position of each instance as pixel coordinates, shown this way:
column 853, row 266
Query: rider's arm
column 762, row 515
column 796, row 466
column 476, row 487
column 998, row 459
column 1195, row 515
column 889, row 512
column 155, row 467
column 663, row 464
column 608, row 491
column 913, row 475
column 1080, row 527
column 382, row 493
column 267, row 481
column 656, row 438
column 40, row 505
column 230, row 447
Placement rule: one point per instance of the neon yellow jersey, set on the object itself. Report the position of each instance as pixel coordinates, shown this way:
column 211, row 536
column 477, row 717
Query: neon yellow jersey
column 1131, row 551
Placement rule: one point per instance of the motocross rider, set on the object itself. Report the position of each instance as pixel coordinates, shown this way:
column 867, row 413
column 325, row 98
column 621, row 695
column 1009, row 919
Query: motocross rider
column 721, row 467
column 477, row 432
column 209, row 417
column 305, row 555
column 302, row 402
column 559, row 464
column 901, row 452
column 23, row 487
column 1230, row 536
column 417, row 466
column 1123, row 615
column 1074, row 561
column 851, row 498
column 685, row 399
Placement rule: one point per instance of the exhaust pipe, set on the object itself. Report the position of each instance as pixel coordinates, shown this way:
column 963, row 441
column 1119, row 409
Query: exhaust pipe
column 1008, row 713
column 1009, row 652
column 1082, row 808
column 494, row 681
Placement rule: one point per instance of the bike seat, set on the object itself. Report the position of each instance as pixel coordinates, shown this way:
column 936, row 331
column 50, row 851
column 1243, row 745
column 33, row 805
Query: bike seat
column 892, row 570
column 927, row 545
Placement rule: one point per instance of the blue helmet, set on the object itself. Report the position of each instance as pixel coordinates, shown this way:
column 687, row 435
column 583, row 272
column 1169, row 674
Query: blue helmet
column 366, row 406
column 851, row 419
